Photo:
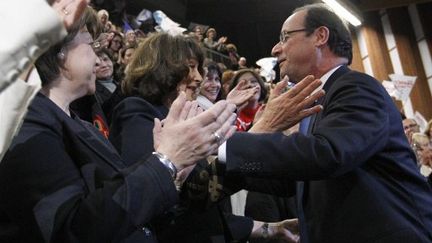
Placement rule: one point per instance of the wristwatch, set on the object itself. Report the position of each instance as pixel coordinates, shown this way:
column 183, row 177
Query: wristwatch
column 167, row 163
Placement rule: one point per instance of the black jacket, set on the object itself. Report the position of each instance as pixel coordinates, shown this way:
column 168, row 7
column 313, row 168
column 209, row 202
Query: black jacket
column 61, row 181
column 354, row 173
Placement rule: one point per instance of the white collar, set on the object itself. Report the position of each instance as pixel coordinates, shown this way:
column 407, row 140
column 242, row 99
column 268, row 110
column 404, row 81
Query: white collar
column 326, row 76
column 204, row 102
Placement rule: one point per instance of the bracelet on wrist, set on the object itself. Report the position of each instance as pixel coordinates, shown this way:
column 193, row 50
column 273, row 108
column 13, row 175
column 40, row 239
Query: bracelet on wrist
column 167, row 163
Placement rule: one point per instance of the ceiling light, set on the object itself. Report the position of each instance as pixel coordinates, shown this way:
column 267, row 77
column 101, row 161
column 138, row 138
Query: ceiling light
column 343, row 12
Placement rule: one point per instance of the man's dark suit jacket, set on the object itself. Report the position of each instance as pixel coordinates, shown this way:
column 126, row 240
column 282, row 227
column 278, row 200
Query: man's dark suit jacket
column 357, row 178
column 61, row 181
column 131, row 134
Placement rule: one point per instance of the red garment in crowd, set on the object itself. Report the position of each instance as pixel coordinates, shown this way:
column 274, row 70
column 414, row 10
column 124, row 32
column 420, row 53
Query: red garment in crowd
column 245, row 118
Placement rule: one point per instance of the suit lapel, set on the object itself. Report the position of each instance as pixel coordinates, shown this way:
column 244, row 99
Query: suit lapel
column 331, row 80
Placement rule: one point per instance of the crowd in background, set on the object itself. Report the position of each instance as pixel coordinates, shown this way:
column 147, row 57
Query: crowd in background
column 153, row 92
column 421, row 143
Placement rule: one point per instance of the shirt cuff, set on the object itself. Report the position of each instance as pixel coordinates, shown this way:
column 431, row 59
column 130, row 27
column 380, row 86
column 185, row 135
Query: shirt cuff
column 222, row 153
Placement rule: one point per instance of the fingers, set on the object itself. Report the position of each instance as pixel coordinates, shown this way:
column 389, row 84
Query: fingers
column 77, row 8
column 185, row 111
column 157, row 129
column 211, row 115
column 226, row 129
column 310, row 99
column 230, row 132
column 157, row 126
column 259, row 114
column 177, row 107
column 70, row 11
column 310, row 111
column 291, row 225
column 227, row 116
column 103, row 40
column 241, row 84
column 309, row 83
column 279, row 88
column 189, row 110
column 292, row 238
column 308, row 90
column 193, row 110
column 223, row 118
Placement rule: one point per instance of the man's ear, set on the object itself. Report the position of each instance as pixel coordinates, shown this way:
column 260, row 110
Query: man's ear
column 322, row 34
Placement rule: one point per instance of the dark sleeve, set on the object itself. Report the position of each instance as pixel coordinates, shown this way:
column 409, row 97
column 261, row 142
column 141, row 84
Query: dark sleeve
column 353, row 127
column 55, row 199
column 209, row 184
column 131, row 130
column 264, row 207
column 239, row 227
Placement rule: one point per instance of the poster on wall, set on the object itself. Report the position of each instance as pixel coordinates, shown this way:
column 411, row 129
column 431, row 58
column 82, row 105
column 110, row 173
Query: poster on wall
column 403, row 85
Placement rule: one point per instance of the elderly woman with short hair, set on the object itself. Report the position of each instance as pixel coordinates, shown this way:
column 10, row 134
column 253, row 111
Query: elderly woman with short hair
column 61, row 181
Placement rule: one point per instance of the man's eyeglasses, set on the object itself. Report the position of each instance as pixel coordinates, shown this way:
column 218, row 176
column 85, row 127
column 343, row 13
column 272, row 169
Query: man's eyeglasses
column 284, row 35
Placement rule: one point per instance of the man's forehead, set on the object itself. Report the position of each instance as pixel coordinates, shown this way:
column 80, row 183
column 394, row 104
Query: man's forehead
column 295, row 20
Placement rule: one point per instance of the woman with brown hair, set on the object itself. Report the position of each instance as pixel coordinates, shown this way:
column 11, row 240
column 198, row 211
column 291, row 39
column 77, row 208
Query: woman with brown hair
column 61, row 181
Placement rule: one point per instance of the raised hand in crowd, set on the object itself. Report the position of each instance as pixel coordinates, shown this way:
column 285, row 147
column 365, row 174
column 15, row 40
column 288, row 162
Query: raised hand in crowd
column 69, row 11
column 284, row 110
column 102, row 41
column 222, row 40
column 240, row 95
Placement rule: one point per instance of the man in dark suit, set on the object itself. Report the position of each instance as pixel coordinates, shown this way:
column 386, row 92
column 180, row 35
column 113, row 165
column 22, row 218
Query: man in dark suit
column 350, row 166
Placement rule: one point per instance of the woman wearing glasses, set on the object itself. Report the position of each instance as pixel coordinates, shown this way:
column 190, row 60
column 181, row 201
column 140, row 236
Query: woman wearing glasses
column 61, row 181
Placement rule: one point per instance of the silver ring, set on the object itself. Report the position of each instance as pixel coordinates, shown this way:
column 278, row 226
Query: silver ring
column 218, row 137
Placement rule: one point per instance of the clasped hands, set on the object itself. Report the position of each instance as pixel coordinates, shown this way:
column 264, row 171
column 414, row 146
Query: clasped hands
column 286, row 230
column 189, row 134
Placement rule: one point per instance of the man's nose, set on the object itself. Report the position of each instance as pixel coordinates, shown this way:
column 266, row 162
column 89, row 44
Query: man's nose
column 276, row 49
